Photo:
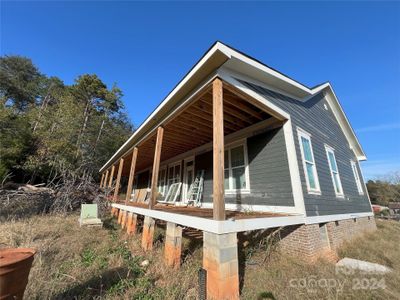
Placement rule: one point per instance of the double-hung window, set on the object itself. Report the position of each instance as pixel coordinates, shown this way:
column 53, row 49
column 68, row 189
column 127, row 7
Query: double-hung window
column 174, row 173
column 357, row 177
column 310, row 170
column 236, row 169
column 337, row 185
column 162, row 181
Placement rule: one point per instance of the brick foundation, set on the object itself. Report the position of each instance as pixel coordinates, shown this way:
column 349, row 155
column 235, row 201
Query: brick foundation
column 173, row 245
column 220, row 259
column 345, row 230
column 131, row 223
column 148, row 233
column 309, row 243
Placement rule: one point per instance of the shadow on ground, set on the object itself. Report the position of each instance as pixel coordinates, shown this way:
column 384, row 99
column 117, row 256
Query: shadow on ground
column 96, row 286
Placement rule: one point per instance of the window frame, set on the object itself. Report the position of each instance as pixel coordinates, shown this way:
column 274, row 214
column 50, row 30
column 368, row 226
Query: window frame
column 228, row 148
column 332, row 150
column 173, row 165
column 317, row 190
column 164, row 180
column 357, row 177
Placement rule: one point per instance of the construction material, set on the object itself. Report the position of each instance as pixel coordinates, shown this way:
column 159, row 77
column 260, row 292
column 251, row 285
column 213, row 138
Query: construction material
column 89, row 215
column 173, row 193
column 196, row 189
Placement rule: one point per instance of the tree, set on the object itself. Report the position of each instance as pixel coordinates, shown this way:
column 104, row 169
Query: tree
column 20, row 82
column 97, row 99
column 48, row 128
column 16, row 142
column 385, row 190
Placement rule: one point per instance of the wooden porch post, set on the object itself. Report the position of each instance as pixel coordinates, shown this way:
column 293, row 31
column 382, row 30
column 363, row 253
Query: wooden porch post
column 111, row 176
column 117, row 184
column 102, row 179
column 105, row 179
column 131, row 175
column 218, row 152
column 156, row 167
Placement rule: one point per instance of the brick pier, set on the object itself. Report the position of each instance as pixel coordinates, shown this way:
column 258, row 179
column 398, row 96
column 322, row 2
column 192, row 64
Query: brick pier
column 220, row 260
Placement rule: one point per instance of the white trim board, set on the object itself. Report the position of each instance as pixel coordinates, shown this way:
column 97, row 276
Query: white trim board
column 255, row 208
column 240, row 225
column 331, row 98
column 294, row 170
column 338, row 217
column 218, row 227
column 221, row 55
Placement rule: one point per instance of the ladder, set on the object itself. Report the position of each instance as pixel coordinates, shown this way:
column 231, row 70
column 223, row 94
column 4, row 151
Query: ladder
column 196, row 189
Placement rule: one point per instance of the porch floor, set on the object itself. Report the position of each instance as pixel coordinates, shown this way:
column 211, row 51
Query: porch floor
column 206, row 213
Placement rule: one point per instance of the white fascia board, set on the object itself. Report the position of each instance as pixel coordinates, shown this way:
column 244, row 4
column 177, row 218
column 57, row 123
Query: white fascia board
column 341, row 118
column 338, row 217
column 277, row 112
column 236, row 56
column 228, row 74
column 228, row 53
column 232, row 58
column 218, row 227
column 140, row 131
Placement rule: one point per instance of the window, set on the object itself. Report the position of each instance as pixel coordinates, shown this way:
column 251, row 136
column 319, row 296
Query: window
column 337, row 185
column 236, row 169
column 174, row 173
column 357, row 177
column 162, row 181
column 307, row 155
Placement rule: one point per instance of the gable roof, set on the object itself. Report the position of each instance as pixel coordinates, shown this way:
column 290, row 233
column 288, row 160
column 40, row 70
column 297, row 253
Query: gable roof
column 219, row 55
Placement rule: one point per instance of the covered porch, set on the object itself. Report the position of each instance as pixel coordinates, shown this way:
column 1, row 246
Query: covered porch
column 208, row 133
column 205, row 132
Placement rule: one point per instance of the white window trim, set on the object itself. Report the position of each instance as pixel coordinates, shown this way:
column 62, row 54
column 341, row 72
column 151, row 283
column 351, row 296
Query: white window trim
column 302, row 133
column 164, row 187
column 174, row 164
column 228, row 147
column 332, row 150
column 184, row 175
column 357, row 177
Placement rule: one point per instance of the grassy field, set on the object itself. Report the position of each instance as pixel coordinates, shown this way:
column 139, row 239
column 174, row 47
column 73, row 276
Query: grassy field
column 105, row 262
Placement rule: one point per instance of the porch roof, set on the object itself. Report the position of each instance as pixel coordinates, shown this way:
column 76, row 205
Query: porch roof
column 220, row 55
column 192, row 127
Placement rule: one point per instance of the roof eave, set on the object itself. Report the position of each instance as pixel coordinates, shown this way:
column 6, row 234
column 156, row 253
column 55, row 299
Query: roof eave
column 212, row 60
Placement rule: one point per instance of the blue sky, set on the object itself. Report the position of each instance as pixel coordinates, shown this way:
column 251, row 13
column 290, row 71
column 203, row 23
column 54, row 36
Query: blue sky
column 146, row 48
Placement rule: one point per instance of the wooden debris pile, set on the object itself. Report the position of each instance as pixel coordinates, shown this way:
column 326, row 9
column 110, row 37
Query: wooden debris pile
column 23, row 200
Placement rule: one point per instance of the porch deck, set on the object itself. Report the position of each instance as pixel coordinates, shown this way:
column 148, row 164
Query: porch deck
column 206, row 213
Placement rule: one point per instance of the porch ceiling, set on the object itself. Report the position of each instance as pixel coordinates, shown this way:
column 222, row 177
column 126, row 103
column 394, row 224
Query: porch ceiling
column 193, row 127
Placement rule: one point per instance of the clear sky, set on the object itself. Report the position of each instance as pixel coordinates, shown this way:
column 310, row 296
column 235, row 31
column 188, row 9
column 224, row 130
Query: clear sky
column 146, row 48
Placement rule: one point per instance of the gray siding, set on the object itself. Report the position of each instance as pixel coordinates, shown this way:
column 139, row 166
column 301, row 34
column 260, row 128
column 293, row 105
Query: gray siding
column 268, row 170
column 312, row 117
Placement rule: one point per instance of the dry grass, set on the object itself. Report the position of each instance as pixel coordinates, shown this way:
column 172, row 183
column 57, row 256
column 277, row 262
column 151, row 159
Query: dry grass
column 105, row 262
column 284, row 277
column 87, row 262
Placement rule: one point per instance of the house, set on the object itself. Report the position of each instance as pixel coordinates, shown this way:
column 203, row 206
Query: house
column 394, row 208
column 264, row 150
